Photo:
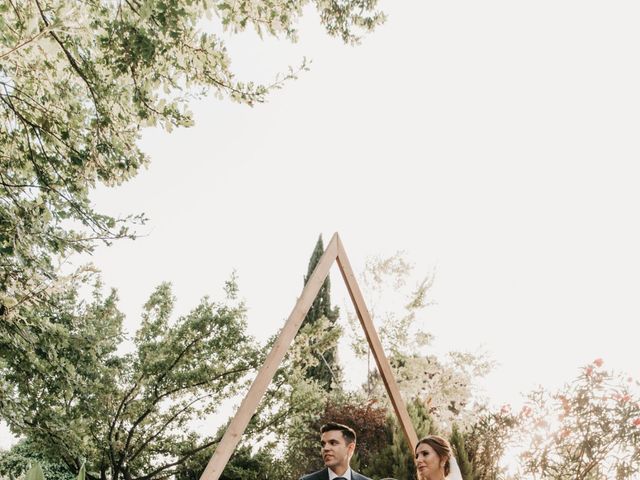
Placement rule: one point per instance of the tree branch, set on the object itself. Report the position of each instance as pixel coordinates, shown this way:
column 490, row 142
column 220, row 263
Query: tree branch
column 26, row 42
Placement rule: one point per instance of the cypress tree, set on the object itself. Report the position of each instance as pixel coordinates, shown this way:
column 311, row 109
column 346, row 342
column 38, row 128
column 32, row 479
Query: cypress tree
column 327, row 372
column 395, row 460
column 457, row 442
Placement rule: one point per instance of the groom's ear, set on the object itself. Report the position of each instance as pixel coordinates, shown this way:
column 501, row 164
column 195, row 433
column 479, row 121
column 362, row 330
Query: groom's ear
column 351, row 447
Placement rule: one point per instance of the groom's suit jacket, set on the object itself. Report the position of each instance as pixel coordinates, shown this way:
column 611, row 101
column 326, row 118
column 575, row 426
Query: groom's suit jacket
column 324, row 475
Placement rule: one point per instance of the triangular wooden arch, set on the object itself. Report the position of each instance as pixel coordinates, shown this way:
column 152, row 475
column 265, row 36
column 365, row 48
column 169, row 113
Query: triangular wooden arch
column 334, row 251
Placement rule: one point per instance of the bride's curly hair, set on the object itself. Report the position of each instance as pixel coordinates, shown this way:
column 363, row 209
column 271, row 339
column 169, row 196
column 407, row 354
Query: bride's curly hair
column 441, row 446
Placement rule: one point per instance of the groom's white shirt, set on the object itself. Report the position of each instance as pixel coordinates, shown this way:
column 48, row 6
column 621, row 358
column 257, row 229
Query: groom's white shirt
column 346, row 475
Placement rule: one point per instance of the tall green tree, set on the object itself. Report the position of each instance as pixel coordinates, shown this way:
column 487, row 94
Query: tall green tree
column 460, row 451
column 395, row 459
column 129, row 415
column 78, row 83
column 17, row 460
column 326, row 371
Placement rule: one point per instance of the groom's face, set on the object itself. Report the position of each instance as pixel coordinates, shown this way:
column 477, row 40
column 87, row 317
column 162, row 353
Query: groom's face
column 336, row 452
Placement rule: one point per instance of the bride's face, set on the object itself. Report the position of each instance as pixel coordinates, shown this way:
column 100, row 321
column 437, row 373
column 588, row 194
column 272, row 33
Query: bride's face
column 428, row 462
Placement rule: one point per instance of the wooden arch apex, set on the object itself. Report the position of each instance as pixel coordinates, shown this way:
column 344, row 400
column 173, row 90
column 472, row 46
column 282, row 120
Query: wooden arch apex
column 334, row 251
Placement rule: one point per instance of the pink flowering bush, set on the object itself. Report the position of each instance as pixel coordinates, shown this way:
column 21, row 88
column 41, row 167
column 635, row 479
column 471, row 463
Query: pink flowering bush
column 588, row 430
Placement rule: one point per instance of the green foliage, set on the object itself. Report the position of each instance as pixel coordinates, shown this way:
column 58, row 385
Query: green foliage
column 457, row 442
column 128, row 414
column 50, row 392
column 395, row 459
column 17, row 460
column 589, row 429
column 486, row 441
column 38, row 472
column 327, row 371
column 78, row 83
column 243, row 465
column 35, row 473
column 291, row 404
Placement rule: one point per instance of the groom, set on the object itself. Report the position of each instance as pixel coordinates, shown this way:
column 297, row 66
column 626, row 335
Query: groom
column 337, row 443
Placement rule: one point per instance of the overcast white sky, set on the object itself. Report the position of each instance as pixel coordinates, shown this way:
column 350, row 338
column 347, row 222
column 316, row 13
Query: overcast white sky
column 494, row 141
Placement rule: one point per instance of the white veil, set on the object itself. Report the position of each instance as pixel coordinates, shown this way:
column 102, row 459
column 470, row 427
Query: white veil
column 454, row 469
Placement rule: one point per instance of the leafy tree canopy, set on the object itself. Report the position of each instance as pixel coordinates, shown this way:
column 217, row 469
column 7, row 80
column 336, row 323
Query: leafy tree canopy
column 589, row 429
column 16, row 461
column 78, row 82
column 129, row 415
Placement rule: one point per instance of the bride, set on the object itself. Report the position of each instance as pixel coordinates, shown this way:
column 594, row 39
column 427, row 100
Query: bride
column 435, row 460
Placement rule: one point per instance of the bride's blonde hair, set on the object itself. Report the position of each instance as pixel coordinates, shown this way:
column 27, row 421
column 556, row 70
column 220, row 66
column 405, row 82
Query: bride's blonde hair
column 441, row 446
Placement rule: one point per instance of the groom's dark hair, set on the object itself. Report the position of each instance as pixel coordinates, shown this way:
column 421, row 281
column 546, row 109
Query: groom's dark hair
column 348, row 433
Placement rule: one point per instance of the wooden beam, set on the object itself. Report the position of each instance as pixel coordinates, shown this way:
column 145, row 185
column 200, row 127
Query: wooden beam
column 335, row 250
column 376, row 347
column 251, row 401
